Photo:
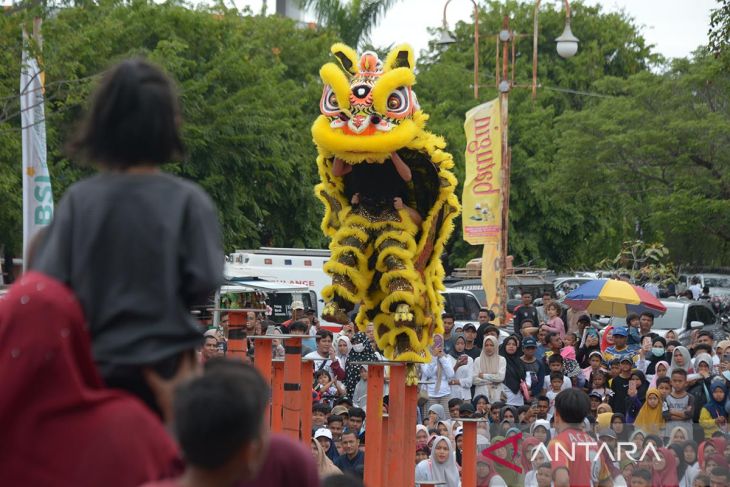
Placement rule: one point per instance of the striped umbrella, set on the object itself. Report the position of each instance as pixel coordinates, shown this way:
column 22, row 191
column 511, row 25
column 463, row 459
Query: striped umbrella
column 610, row 297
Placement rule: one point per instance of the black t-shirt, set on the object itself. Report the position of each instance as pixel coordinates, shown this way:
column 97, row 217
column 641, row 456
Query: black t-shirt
column 474, row 352
column 620, row 388
column 525, row 313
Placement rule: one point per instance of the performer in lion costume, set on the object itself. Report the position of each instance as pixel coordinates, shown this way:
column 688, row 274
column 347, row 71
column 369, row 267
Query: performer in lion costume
column 389, row 201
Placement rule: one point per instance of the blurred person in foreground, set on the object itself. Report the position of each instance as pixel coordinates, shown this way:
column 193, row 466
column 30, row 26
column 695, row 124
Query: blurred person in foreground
column 219, row 424
column 60, row 425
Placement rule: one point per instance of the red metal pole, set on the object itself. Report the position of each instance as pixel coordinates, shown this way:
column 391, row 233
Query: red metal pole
column 277, row 397
column 262, row 357
column 292, row 386
column 374, row 436
column 384, row 454
column 307, row 374
column 409, row 452
column 469, row 455
column 396, row 420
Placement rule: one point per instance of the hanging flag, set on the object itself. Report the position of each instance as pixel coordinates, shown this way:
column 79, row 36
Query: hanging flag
column 482, row 197
column 37, row 193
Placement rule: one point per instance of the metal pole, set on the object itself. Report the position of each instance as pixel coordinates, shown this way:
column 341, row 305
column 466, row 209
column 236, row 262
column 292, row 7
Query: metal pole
column 469, row 454
column 374, row 438
column 411, row 418
column 306, row 394
column 277, row 397
column 292, row 386
column 396, row 420
column 476, row 43
column 504, row 112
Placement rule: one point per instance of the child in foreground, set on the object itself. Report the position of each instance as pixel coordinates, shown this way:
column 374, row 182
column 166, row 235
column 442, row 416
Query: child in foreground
column 137, row 246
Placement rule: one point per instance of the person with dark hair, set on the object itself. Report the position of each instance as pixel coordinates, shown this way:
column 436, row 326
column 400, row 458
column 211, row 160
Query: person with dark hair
column 60, row 424
column 325, row 357
column 219, row 424
column 680, row 405
column 454, row 405
column 719, row 477
column 352, row 459
column 448, row 320
column 571, row 407
column 357, row 418
column 484, row 317
column 138, row 247
column 301, row 328
column 210, row 349
column 342, row 481
column 641, row 478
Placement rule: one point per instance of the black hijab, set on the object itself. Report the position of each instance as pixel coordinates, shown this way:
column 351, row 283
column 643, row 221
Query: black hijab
column 515, row 367
column 352, row 370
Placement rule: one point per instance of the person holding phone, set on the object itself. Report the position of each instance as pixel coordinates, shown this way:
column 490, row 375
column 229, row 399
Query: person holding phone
column 462, row 380
column 438, row 372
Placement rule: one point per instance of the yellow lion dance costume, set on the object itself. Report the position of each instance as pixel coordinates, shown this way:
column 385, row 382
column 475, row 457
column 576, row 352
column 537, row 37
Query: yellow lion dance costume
column 389, row 201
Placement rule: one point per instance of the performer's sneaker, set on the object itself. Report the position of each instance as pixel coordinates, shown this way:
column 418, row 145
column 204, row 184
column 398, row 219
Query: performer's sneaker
column 403, row 315
column 335, row 314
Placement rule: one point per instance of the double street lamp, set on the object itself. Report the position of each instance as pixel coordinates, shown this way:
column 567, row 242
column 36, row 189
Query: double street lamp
column 566, row 43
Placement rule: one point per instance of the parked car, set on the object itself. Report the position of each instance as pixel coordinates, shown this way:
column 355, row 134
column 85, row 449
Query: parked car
column 464, row 306
column 683, row 316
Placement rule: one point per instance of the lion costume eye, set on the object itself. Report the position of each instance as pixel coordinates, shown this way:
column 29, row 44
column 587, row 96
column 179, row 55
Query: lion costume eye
column 399, row 103
column 328, row 105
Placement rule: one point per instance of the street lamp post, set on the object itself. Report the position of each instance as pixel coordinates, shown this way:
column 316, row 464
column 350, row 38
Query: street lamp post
column 446, row 39
column 567, row 46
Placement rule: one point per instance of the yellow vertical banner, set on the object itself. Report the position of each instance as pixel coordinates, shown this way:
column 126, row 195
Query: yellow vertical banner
column 482, row 198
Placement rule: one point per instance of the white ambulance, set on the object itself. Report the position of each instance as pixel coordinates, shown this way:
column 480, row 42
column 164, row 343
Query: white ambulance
column 304, row 267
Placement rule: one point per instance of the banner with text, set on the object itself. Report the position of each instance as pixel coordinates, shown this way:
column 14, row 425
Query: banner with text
column 482, row 198
column 37, row 193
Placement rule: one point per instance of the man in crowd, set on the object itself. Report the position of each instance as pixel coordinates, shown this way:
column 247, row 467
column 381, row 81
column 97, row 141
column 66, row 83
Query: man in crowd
column 352, row 460
column 525, row 311
column 532, row 365
column 324, row 356
column 300, row 328
column 210, row 349
column 472, row 348
column 620, row 347
column 547, row 298
column 620, row 385
column 485, row 317
column 297, row 313
column 448, row 320
column 571, row 407
column 357, row 419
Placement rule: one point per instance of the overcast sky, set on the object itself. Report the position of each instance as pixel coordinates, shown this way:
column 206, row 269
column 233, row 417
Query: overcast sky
column 675, row 27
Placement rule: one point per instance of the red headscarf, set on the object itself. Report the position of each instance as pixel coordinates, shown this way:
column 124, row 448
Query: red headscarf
column 604, row 338
column 484, row 481
column 525, row 459
column 60, row 427
column 666, row 477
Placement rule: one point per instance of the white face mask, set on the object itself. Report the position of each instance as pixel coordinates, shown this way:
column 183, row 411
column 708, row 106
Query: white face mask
column 358, row 347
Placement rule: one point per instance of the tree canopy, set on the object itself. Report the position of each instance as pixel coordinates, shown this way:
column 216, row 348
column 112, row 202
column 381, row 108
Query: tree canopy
column 619, row 145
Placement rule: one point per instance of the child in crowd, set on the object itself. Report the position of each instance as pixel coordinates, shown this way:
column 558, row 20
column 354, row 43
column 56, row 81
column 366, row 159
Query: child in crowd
column 325, row 388
column 599, row 384
column 137, row 246
column 641, row 478
column 556, row 385
column 664, row 384
column 361, row 389
column 680, row 404
column 320, row 411
column 650, row 419
column 713, row 416
column 544, row 475
column 555, row 364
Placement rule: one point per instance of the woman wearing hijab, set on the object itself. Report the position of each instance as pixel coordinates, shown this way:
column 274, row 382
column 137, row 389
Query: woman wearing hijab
column 489, row 372
column 515, row 372
column 361, row 351
column 607, row 338
column 325, row 467
column 650, row 419
column 665, row 469
column 342, row 350
column 441, row 467
column 589, row 345
column 618, row 425
column 435, row 413
column 657, row 354
column 529, row 468
column 661, row 369
column 463, row 367
column 681, row 360
column 713, row 413
column 487, row 475
column 682, row 470
column 506, row 453
column 60, row 426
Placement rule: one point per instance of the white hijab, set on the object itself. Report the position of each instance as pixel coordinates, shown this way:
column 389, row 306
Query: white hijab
column 342, row 358
column 489, row 364
column 431, row 469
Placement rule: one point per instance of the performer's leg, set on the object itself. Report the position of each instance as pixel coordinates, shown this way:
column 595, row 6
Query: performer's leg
column 348, row 267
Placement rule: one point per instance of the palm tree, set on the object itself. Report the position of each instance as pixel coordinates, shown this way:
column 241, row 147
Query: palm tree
column 353, row 20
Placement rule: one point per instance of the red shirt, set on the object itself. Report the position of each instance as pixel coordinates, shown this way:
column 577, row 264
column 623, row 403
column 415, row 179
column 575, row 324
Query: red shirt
column 584, row 465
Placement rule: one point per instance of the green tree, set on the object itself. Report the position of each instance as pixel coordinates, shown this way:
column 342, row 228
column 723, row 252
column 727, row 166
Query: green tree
column 249, row 90
column 541, row 231
column 352, row 20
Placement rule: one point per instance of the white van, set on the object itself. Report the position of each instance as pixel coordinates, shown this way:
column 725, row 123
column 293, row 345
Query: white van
column 304, row 267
